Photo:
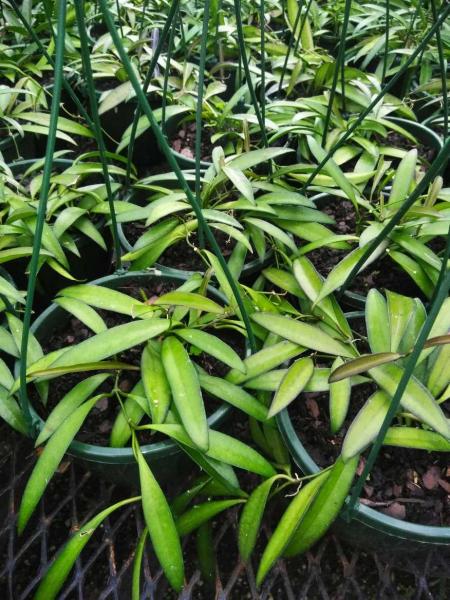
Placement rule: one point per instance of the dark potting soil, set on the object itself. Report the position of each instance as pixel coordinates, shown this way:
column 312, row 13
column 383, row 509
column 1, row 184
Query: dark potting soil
column 183, row 142
column 406, row 484
column 97, row 427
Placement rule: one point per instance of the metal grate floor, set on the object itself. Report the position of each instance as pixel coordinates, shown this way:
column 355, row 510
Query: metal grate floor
column 332, row 571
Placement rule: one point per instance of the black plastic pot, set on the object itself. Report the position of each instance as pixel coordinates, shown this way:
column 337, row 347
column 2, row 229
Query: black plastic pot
column 92, row 262
column 14, row 147
column 424, row 134
column 370, row 529
column 166, row 459
column 146, row 152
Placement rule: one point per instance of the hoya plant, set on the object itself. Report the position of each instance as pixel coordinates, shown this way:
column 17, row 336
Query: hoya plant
column 158, row 347
column 375, row 356
column 251, row 213
column 76, row 188
column 24, row 108
column 407, row 25
column 417, row 242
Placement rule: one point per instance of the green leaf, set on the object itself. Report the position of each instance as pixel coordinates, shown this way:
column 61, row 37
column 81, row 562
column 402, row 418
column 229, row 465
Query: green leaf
column 288, row 524
column 8, row 290
column 292, row 384
column 400, row 309
column 213, row 346
column 325, row 507
column 439, row 374
column 186, row 392
column 137, row 566
column 366, row 425
column 339, row 399
column 199, row 514
column 416, row 398
column 403, row 179
column 104, row 298
column 190, row 300
column 265, row 360
column 414, row 270
column 49, row 461
column 342, row 270
column 251, row 517
column 301, row 333
column 16, row 329
column 160, row 524
column 332, row 169
column 68, row 404
column 311, row 283
column 273, row 231
column 240, row 181
column 232, row 394
column 63, row 123
column 156, row 385
column 132, row 413
column 105, row 344
column 10, row 411
column 83, row 312
column 417, row 249
column 223, row 448
column 63, row 563
column 108, row 365
column 361, row 365
column 419, row 439
column 377, row 322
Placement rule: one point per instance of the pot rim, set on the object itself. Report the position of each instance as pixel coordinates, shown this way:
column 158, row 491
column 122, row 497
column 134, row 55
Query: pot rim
column 424, row 534
column 107, row 454
column 421, row 127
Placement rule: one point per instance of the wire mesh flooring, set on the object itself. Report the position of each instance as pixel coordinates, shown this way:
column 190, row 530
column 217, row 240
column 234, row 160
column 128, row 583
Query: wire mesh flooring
column 331, row 571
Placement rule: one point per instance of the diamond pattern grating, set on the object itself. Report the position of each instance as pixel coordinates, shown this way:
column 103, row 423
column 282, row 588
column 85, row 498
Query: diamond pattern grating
column 332, row 571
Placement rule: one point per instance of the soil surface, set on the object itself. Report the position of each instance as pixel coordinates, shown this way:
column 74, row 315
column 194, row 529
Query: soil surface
column 413, row 485
column 183, row 142
column 97, row 427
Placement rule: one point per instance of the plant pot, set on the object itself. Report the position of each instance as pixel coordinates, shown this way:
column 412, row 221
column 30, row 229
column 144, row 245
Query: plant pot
column 146, row 152
column 424, row 134
column 118, row 465
column 15, row 146
column 92, row 262
column 370, row 529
